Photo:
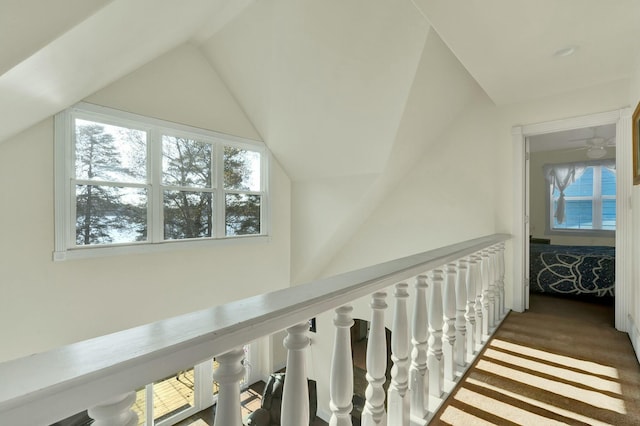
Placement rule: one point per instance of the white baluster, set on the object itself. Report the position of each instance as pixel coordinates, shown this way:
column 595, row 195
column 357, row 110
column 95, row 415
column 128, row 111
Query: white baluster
column 228, row 375
column 487, row 314
column 115, row 412
column 295, row 396
column 461, row 321
column 449, row 329
column 399, row 404
column 503, row 309
column 374, row 411
column 478, row 304
column 491, row 286
column 496, row 287
column 418, row 374
column 435, row 361
column 470, row 314
column 341, row 380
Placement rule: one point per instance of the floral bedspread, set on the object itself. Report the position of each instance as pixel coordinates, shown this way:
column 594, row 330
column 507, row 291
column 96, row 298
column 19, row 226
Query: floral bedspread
column 572, row 270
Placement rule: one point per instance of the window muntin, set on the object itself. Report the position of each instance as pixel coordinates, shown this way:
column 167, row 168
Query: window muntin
column 126, row 180
column 590, row 202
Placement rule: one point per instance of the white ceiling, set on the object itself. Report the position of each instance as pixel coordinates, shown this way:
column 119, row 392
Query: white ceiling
column 572, row 139
column 508, row 45
column 50, row 51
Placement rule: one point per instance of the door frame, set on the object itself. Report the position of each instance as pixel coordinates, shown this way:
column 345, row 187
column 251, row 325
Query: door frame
column 624, row 182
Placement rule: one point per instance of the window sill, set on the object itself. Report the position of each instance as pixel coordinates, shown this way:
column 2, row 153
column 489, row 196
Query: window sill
column 145, row 248
column 582, row 233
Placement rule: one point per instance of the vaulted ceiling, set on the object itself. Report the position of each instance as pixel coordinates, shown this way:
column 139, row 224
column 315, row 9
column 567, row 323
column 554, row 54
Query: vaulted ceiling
column 346, row 94
column 311, row 75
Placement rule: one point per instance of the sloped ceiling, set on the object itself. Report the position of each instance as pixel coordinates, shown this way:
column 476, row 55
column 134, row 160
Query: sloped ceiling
column 85, row 45
column 341, row 91
column 508, row 46
column 325, row 83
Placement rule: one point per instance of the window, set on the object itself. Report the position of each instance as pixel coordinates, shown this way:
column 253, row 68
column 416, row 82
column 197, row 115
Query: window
column 125, row 181
column 582, row 197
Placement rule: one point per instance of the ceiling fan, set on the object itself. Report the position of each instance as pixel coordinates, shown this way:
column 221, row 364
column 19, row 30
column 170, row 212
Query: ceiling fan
column 596, row 146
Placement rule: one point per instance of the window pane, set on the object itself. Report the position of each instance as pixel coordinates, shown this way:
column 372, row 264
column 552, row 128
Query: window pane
column 187, row 214
column 241, row 169
column 609, row 214
column 608, row 182
column 140, row 406
column 242, row 214
column 186, row 162
column 110, row 215
column 578, row 215
column 173, row 395
column 110, row 153
column 581, row 187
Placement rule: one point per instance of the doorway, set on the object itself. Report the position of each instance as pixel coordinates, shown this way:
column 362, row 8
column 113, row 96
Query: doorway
column 621, row 119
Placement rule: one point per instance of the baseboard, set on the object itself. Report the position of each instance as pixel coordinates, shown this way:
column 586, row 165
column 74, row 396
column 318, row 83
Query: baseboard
column 634, row 336
column 324, row 415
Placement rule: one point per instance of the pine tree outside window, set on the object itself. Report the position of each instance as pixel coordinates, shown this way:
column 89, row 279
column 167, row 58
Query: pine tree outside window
column 124, row 180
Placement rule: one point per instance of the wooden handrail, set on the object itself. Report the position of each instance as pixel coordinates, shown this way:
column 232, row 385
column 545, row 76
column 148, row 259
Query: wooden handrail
column 49, row 386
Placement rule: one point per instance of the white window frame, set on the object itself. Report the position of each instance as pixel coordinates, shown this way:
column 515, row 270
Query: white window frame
column 596, row 213
column 65, row 246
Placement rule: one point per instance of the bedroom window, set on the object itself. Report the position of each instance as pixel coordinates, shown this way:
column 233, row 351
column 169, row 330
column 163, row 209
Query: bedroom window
column 582, row 196
column 126, row 182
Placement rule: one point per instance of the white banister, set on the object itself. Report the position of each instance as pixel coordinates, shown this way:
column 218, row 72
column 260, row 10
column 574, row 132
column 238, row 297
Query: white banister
column 374, row 413
column 418, row 374
column 495, row 299
column 47, row 387
column 490, row 287
column 228, row 375
column 398, row 400
column 470, row 314
column 487, row 314
column 501, row 272
column 449, row 328
column 115, row 412
column 435, row 361
column 461, row 310
column 478, row 305
column 341, row 380
column 295, row 396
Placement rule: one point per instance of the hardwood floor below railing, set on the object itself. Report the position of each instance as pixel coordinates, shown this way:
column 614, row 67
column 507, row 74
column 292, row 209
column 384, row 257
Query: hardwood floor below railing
column 561, row 362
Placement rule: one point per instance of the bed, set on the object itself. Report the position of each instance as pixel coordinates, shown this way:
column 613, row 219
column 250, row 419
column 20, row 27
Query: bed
column 572, row 270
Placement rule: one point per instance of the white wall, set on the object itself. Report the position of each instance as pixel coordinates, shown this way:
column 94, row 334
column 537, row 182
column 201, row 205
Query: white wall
column 538, row 196
column 439, row 187
column 45, row 304
column 460, row 188
column 634, row 305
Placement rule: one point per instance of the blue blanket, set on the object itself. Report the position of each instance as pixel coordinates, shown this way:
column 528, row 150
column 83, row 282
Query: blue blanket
column 572, row 270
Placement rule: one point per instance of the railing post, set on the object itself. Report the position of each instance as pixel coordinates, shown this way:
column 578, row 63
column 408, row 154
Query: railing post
column 449, row 329
column 470, row 314
column 461, row 321
column 478, row 304
column 418, row 374
column 503, row 309
column 495, row 299
column 374, row 411
column 115, row 412
column 487, row 314
column 295, row 395
column 398, row 402
column 228, row 375
column 435, row 360
column 341, row 380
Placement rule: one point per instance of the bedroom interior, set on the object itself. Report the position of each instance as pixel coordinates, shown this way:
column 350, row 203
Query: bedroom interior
column 566, row 258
